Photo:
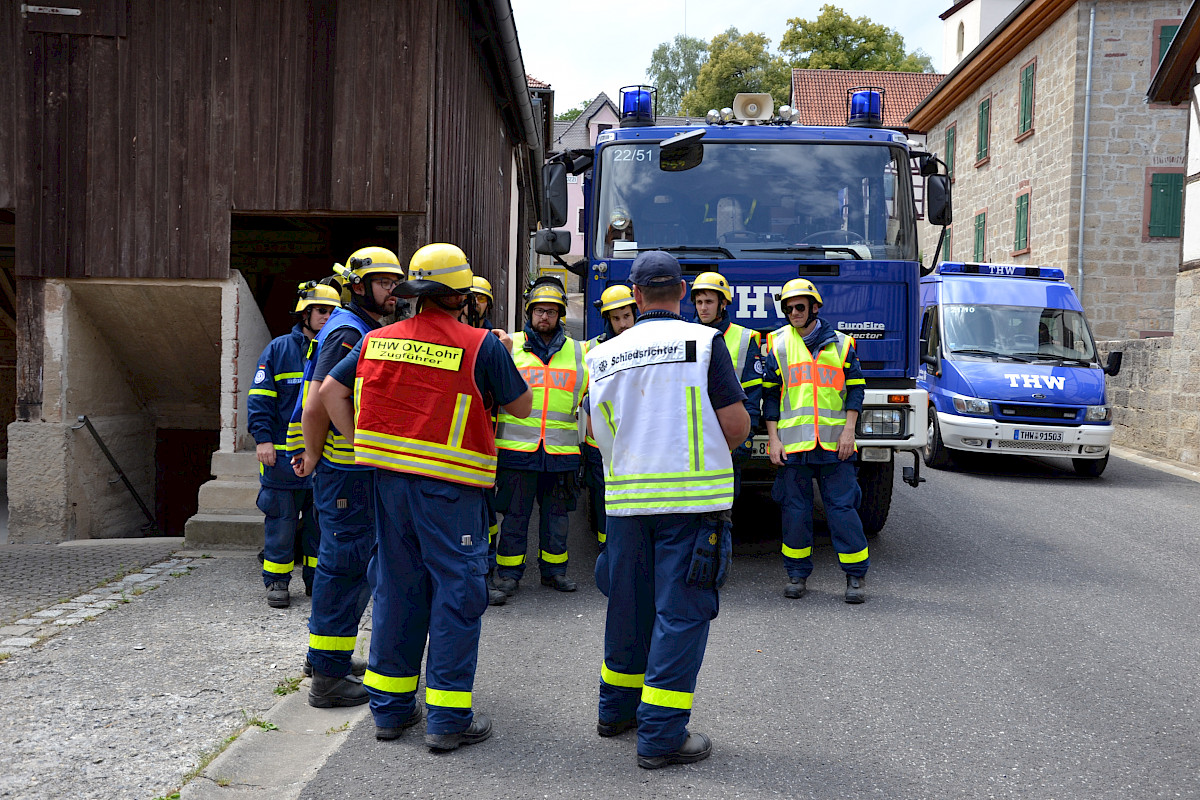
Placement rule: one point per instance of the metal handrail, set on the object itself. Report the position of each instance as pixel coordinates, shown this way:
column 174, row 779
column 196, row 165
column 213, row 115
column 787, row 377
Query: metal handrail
column 151, row 526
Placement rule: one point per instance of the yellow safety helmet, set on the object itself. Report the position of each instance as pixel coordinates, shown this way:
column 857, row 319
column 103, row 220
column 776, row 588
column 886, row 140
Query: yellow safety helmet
column 546, row 289
column 369, row 260
column 438, row 268
column 614, row 297
column 799, row 287
column 712, row 282
column 480, row 285
column 318, row 294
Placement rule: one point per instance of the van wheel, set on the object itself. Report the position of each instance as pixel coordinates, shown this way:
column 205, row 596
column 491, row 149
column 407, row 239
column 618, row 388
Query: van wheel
column 935, row 454
column 1089, row 467
column 875, row 481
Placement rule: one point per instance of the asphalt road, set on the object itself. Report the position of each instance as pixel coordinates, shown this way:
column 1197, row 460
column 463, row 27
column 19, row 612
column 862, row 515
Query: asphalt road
column 1027, row 634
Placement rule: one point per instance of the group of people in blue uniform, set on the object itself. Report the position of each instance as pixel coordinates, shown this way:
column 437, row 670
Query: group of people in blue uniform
column 386, row 452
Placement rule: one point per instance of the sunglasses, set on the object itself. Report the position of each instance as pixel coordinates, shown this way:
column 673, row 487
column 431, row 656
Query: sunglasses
column 787, row 310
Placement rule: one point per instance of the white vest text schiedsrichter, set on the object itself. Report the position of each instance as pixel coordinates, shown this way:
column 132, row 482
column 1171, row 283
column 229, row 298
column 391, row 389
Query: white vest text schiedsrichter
column 663, row 449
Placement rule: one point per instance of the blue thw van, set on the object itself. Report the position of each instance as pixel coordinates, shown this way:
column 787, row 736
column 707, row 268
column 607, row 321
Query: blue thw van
column 1011, row 367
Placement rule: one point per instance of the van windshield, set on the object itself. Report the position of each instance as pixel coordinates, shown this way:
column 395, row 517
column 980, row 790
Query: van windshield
column 1021, row 333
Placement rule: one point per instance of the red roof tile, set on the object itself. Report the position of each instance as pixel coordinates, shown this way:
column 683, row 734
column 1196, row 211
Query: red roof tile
column 820, row 94
column 534, row 83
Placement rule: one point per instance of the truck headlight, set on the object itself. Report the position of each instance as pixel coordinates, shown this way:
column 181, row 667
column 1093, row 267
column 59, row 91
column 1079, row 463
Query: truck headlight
column 973, row 405
column 881, row 422
column 1099, row 413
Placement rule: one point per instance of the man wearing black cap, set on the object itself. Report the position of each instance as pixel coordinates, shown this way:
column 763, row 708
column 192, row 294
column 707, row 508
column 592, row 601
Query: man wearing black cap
column 666, row 410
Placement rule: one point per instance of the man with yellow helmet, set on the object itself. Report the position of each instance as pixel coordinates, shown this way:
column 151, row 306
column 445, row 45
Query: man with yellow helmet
column 812, row 394
column 481, row 303
column 711, row 297
column 289, row 526
column 619, row 312
column 418, row 395
column 539, row 456
column 341, row 488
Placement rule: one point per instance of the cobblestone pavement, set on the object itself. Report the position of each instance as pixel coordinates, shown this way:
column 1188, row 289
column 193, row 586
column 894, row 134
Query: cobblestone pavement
column 33, row 576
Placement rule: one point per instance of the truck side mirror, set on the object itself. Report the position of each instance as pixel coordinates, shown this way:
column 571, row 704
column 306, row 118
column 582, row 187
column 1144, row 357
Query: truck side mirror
column 931, row 360
column 938, row 210
column 552, row 243
column 1114, row 363
column 554, row 195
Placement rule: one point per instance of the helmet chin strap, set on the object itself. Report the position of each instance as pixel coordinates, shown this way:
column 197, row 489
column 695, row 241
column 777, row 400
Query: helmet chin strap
column 306, row 320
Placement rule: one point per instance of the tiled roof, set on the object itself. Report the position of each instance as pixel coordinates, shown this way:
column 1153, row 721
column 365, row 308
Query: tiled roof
column 534, row 83
column 575, row 136
column 820, row 94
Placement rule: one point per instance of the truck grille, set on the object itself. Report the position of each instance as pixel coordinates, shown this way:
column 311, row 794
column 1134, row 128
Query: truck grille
column 1039, row 412
column 1009, row 444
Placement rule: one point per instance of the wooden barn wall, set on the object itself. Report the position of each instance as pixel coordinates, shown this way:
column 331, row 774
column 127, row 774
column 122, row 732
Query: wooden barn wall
column 470, row 161
column 8, row 104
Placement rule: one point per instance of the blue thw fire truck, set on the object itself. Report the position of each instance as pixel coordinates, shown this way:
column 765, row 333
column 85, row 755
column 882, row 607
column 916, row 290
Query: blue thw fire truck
column 762, row 200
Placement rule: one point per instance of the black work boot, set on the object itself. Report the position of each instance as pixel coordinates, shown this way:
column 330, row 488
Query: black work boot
column 328, row 692
column 496, row 597
column 507, row 585
column 795, row 588
column 559, row 583
column 358, row 666
column 481, row 728
column 855, row 589
column 696, row 747
column 388, row 734
column 278, row 595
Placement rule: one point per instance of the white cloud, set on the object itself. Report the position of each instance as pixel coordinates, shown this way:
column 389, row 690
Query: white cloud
column 604, row 46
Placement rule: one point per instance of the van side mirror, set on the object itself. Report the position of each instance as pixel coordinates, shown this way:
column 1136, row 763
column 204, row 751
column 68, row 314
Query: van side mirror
column 1114, row 363
column 552, row 243
column 938, row 208
column 554, row 195
column 931, row 360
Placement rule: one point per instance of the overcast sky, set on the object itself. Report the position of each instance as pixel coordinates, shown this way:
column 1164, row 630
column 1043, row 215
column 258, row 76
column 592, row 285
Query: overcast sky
column 582, row 49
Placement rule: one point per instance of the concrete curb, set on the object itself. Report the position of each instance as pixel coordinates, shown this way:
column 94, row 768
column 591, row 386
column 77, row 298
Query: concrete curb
column 1176, row 468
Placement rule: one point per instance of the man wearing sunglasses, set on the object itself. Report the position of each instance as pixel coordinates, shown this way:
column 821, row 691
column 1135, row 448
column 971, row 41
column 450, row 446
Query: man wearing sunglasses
column 812, row 394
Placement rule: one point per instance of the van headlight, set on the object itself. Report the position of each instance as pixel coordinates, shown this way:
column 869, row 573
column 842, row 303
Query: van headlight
column 1099, row 413
column 973, row 405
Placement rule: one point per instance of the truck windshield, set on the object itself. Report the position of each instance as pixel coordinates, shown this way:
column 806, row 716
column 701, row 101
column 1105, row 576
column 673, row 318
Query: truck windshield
column 758, row 200
column 1020, row 333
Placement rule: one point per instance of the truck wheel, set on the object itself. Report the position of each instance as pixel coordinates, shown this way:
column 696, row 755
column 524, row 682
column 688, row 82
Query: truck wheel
column 875, row 480
column 935, row 454
column 1089, row 467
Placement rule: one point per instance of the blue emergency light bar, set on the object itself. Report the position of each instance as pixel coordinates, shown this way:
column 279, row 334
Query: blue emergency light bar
column 638, row 106
column 1001, row 270
column 865, row 107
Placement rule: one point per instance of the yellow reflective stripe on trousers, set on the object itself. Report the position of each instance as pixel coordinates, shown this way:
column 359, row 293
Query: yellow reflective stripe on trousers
column 280, row 569
column 601, row 537
column 667, row 698
column 510, row 561
column 332, row 643
column 551, row 558
column 264, row 392
column 310, row 561
column 797, row 552
column 445, row 699
column 492, row 531
column 853, row 558
column 383, row 683
column 623, row 679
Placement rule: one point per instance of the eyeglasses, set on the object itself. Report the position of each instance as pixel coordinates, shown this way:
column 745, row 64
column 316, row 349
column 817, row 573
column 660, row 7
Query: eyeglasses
column 543, row 312
column 387, row 284
column 794, row 307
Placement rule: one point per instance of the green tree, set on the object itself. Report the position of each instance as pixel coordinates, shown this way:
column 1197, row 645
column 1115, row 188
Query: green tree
column 674, row 67
column 738, row 63
column 572, row 114
column 835, row 40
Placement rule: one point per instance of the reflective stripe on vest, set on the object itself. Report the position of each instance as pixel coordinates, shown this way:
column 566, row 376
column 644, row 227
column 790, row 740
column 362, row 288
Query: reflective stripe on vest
column 557, row 390
column 812, row 408
column 738, row 341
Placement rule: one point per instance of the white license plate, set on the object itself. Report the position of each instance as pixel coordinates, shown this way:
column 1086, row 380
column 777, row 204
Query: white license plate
column 1037, row 436
column 759, row 447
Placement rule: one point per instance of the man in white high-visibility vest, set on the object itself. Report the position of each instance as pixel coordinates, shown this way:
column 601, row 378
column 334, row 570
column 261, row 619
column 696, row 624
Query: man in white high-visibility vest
column 666, row 410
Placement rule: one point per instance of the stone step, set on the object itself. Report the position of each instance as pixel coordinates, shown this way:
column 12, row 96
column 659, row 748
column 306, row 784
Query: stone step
column 235, row 465
column 238, row 495
column 224, row 530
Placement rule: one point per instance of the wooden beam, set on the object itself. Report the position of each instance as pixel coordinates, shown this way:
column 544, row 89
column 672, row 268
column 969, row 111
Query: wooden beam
column 31, row 335
column 6, row 280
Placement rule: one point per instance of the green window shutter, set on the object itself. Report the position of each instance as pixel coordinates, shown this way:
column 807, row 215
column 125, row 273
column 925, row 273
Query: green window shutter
column 1166, row 203
column 985, row 113
column 1025, row 114
column 980, row 234
column 1022, row 238
column 950, row 136
column 947, row 252
column 1165, row 34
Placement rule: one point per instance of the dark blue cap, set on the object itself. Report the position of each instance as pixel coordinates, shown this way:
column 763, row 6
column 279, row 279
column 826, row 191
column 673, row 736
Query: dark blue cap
column 655, row 268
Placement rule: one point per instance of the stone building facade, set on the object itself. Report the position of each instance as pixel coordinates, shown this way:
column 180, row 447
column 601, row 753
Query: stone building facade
column 1019, row 184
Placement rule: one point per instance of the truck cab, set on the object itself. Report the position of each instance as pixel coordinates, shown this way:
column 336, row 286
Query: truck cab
column 1011, row 367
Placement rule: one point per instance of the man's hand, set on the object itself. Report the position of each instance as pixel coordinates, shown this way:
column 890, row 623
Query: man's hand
column 304, row 464
column 504, row 338
column 846, row 443
column 266, row 453
column 775, row 449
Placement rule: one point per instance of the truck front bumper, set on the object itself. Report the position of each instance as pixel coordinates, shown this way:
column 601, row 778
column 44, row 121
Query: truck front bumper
column 981, row 435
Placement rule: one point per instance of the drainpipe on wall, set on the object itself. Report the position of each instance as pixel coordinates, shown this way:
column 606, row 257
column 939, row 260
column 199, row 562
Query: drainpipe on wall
column 1087, row 118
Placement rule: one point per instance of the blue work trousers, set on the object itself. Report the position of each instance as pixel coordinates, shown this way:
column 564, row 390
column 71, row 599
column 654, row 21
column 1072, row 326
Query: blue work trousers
column 290, row 521
column 657, row 627
column 593, row 476
column 430, row 580
column 516, row 491
column 840, row 494
column 345, row 501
